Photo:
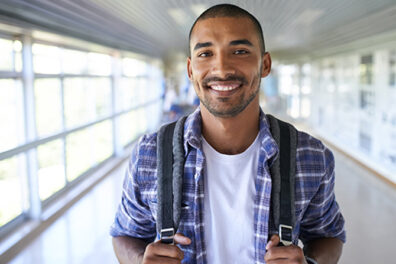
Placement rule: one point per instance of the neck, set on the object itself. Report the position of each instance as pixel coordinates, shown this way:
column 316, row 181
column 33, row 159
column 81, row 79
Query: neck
column 231, row 135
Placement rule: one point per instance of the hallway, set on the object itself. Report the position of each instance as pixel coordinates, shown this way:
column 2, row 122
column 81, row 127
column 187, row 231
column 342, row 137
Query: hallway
column 81, row 235
column 368, row 206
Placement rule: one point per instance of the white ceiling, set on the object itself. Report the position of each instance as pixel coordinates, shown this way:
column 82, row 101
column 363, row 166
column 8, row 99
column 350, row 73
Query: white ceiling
column 160, row 27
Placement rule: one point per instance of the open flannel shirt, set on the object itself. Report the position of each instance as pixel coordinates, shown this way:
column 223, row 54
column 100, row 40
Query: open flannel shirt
column 317, row 212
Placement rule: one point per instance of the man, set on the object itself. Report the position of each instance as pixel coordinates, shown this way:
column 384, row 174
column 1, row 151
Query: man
column 229, row 150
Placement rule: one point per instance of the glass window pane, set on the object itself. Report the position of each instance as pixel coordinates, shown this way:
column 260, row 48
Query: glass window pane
column 74, row 62
column 99, row 64
column 133, row 67
column 51, row 171
column 103, row 141
column 18, row 55
column 142, row 91
column 6, row 54
column 79, row 153
column 142, row 120
column 46, row 59
column 392, row 68
column 86, row 99
column 48, row 106
column 11, row 114
column 102, row 95
column 154, row 111
column 366, row 69
column 12, row 196
column 79, row 106
column 128, row 127
column 127, row 94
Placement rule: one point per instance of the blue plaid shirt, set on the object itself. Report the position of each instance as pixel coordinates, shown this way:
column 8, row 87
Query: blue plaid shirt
column 317, row 212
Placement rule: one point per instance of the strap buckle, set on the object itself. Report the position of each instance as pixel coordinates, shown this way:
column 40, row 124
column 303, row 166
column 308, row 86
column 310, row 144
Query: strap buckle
column 167, row 235
column 285, row 234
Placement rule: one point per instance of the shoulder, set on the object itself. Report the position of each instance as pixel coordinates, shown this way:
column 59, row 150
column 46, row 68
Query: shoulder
column 143, row 162
column 314, row 161
column 147, row 146
column 314, row 171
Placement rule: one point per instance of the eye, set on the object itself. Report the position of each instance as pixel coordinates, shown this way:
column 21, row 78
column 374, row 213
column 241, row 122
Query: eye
column 204, row 54
column 241, row 51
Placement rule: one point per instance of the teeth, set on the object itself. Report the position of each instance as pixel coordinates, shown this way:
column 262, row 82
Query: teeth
column 223, row 88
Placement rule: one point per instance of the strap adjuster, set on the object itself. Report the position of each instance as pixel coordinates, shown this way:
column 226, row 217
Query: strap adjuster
column 167, row 235
column 285, row 234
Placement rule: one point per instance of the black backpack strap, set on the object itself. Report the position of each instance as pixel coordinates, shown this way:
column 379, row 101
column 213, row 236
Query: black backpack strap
column 164, row 183
column 170, row 168
column 178, row 169
column 283, row 179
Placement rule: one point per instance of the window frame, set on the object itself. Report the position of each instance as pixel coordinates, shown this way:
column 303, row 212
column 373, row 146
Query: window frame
column 29, row 148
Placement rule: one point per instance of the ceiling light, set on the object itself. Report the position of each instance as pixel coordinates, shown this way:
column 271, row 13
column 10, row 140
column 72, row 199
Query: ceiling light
column 308, row 17
column 178, row 15
column 198, row 9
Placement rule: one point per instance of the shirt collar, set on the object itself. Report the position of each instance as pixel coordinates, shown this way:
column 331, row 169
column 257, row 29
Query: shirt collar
column 268, row 143
column 193, row 128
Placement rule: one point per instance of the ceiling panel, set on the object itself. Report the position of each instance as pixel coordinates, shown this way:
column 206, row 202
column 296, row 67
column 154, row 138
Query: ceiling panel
column 160, row 27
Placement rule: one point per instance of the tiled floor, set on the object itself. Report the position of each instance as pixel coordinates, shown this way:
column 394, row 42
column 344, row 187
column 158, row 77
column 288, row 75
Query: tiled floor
column 81, row 235
column 369, row 207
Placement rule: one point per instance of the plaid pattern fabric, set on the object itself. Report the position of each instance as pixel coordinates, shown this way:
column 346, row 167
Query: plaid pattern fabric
column 317, row 212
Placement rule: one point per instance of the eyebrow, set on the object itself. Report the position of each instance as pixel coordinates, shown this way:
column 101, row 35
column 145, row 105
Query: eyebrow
column 241, row 42
column 202, row 45
column 237, row 42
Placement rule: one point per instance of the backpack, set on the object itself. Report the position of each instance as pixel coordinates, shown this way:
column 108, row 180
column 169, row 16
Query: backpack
column 170, row 170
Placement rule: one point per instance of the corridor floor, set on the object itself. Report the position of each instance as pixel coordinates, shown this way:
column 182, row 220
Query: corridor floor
column 81, row 234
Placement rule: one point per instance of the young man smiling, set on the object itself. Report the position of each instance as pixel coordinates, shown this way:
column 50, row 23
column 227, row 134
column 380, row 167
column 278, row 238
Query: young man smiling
column 229, row 150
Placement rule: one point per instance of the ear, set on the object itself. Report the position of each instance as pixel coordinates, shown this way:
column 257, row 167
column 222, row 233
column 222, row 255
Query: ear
column 189, row 68
column 266, row 65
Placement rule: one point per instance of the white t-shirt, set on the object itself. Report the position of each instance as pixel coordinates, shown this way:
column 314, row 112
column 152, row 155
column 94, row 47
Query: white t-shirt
column 229, row 204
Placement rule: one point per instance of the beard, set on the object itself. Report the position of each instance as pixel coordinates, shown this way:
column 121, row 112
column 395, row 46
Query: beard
column 216, row 105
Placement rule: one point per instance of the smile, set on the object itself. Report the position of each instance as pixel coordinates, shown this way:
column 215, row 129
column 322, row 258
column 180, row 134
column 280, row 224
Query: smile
column 224, row 86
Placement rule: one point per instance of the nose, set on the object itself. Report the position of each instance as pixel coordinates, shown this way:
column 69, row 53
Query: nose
column 222, row 66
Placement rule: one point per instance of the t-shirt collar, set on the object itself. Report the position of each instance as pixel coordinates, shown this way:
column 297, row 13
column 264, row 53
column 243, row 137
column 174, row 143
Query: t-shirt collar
column 193, row 128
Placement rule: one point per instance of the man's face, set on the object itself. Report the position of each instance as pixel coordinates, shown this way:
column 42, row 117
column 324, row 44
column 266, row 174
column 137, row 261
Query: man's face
column 226, row 64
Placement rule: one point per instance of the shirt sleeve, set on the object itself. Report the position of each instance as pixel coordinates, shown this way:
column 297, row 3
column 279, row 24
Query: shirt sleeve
column 323, row 217
column 133, row 217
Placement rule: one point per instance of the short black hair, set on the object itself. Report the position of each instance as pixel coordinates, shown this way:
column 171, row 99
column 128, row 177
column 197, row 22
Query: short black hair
column 228, row 10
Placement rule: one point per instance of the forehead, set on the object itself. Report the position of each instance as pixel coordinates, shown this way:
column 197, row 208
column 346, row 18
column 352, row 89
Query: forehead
column 224, row 28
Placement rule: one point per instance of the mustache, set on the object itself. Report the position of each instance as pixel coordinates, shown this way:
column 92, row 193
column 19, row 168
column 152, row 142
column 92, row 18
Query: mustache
column 227, row 79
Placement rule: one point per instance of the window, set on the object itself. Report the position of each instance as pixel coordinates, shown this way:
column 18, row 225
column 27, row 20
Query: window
column 13, row 195
column 74, row 61
column 72, row 126
column 392, row 69
column 87, row 148
column 51, row 169
column 48, row 106
column 366, row 69
column 365, row 141
column 86, row 99
column 141, row 120
column 11, row 114
column 99, row 64
column 46, row 59
column 367, row 95
column 133, row 67
column 78, row 153
column 102, row 141
column 11, row 56
column 127, row 93
column 128, row 127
